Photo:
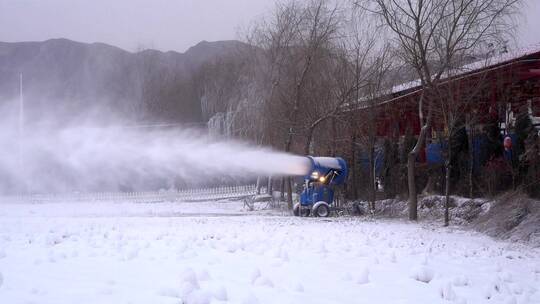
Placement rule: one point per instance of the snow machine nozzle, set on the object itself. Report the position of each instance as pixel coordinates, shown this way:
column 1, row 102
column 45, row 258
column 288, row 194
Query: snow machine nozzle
column 330, row 171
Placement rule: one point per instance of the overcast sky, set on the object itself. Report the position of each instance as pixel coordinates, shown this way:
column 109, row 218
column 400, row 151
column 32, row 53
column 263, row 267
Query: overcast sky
column 160, row 24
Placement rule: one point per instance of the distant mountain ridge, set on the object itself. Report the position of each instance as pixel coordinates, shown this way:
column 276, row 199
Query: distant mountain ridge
column 65, row 77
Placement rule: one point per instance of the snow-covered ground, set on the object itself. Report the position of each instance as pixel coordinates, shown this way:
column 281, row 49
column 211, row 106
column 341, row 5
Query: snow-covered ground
column 216, row 253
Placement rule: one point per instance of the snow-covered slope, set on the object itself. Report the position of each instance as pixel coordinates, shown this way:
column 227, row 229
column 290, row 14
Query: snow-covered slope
column 201, row 253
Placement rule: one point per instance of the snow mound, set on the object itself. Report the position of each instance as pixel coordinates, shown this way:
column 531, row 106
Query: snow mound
column 460, row 281
column 53, row 239
column 203, row 275
column 199, row 297
column 511, row 300
column 189, row 276
column 393, row 258
column 264, row 281
column 250, row 299
column 299, row 287
column 507, row 277
column 423, row 274
column 220, row 293
column 363, row 276
column 346, row 276
column 512, row 216
column 447, row 292
column 255, row 274
column 232, row 247
column 187, row 288
column 169, row 292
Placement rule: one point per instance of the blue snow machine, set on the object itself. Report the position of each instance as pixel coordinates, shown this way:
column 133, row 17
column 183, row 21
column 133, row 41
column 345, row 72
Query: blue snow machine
column 318, row 195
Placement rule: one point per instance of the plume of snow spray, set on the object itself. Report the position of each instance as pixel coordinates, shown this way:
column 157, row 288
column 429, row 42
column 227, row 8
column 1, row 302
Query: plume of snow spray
column 111, row 158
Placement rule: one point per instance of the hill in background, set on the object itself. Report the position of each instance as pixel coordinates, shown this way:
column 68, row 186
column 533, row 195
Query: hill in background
column 68, row 79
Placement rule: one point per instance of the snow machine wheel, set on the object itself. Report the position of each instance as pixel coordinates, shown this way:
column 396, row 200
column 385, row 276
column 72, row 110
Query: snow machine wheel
column 321, row 210
column 304, row 212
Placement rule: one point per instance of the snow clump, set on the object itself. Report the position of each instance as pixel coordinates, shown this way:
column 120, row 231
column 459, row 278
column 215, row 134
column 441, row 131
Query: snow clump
column 220, row 293
column 423, row 274
column 363, row 276
column 447, row 292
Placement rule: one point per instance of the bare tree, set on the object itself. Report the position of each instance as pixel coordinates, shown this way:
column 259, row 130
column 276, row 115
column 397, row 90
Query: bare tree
column 295, row 41
column 373, row 92
column 430, row 35
column 456, row 109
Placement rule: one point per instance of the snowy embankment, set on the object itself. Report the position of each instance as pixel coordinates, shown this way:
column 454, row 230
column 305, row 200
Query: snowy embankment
column 202, row 253
column 512, row 216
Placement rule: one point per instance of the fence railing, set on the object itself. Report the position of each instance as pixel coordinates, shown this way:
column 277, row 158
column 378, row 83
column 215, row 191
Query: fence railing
column 185, row 195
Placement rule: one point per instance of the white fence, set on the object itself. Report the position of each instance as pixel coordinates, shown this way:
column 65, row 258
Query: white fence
column 186, row 195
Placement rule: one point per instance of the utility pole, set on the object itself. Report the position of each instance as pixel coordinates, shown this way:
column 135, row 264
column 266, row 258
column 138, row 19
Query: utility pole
column 21, row 105
column 21, row 133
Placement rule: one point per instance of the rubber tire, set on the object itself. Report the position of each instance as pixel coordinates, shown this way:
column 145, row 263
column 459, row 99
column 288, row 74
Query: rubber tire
column 296, row 211
column 322, row 210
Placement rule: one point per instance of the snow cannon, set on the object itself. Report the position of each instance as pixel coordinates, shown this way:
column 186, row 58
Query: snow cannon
column 325, row 174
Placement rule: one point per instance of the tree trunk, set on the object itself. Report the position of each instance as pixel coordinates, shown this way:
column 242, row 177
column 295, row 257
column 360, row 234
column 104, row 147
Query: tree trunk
column 308, row 141
column 448, row 168
column 288, row 180
column 354, row 168
column 411, row 180
column 259, row 185
column 470, row 139
column 282, row 189
column 372, row 174
column 411, row 168
column 334, row 134
column 428, row 189
column 411, row 160
column 269, row 186
column 289, row 193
